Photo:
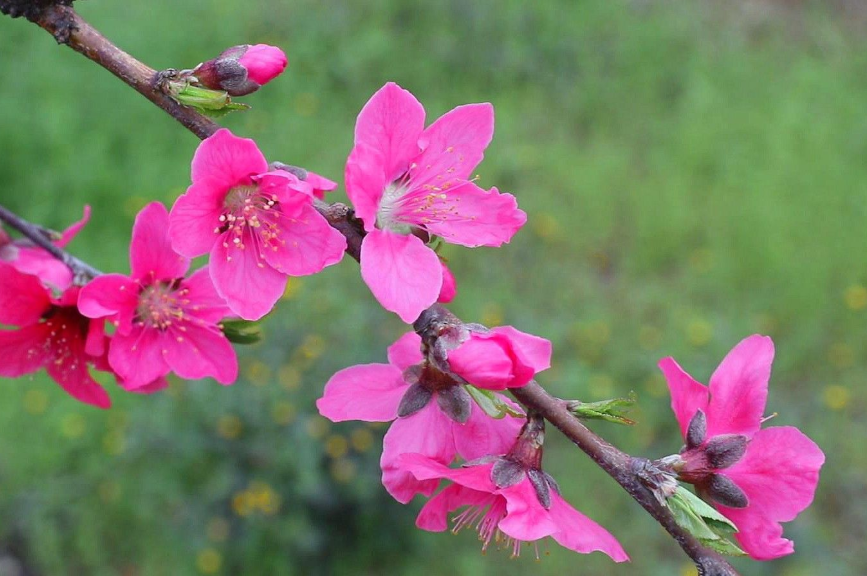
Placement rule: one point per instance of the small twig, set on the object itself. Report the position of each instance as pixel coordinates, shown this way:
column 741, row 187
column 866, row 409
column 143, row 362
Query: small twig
column 82, row 271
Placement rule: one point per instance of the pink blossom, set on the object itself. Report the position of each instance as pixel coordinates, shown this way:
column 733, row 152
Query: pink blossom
column 241, row 70
column 524, row 506
column 432, row 414
column 258, row 226
column 320, row 184
column 755, row 477
column 449, row 289
column 500, row 358
column 52, row 334
column 407, row 182
column 165, row 322
column 31, row 259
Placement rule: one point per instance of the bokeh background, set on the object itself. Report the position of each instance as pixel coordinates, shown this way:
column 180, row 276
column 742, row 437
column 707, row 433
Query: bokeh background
column 693, row 173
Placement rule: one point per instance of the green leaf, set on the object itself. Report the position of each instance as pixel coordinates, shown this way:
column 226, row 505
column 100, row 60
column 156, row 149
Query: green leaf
column 491, row 403
column 612, row 410
column 703, row 521
column 241, row 331
column 213, row 103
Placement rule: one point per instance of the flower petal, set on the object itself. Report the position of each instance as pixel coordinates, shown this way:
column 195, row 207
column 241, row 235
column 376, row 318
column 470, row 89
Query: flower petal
column 205, row 303
column 483, row 435
column 109, row 295
column 526, row 519
column 151, row 255
column 454, row 145
column 427, row 432
column 249, row 286
column 406, row 351
column 195, row 218
column 581, row 534
column 404, row 275
column 72, row 231
column 425, row 468
column 369, row 392
column 24, row 351
column 434, row 515
column 779, row 474
column 449, row 289
column 23, row 300
column 227, row 159
column 137, row 357
column 739, row 388
column 71, row 372
column 465, row 214
column 306, row 245
column 199, row 352
column 365, row 182
column 687, row 395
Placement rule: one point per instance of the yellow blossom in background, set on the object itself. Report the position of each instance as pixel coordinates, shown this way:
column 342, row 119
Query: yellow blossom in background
column 361, row 439
column 258, row 373
column 313, row 346
column 73, row 425
column 336, row 446
column 492, row 315
column 841, row 355
column 836, row 397
column 229, row 426
column 649, row 337
column 114, row 443
column 856, row 297
column 283, row 413
column 699, row 332
column 317, row 426
column 218, row 529
column 35, row 401
column 546, row 226
column 209, row 561
column 656, row 386
column 263, row 497
column 289, row 377
column 242, row 504
column 343, row 470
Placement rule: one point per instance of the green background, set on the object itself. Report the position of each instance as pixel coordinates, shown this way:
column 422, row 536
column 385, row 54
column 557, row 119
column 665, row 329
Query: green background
column 693, row 173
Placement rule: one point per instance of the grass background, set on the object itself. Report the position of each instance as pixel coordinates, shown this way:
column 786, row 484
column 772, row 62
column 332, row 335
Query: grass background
column 693, row 173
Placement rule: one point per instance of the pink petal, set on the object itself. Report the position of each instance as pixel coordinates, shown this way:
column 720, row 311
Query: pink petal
column 392, row 122
column 526, row 519
column 687, row 395
column 95, row 344
column 249, row 286
column 263, row 63
column 466, row 215
column 155, row 386
column 406, row 351
column 137, row 358
column 71, row 372
column 434, row 515
column 365, row 182
column 23, row 300
column 454, row 145
column 483, row 363
column 449, row 289
column 227, row 159
column 37, row 262
column 369, row 392
column 24, row 351
column 404, row 275
column 320, row 184
column 427, row 432
column 150, row 252
column 482, row 435
column 581, row 534
column 307, row 244
column 205, row 303
column 74, row 228
column 109, row 295
column 199, row 352
column 426, row 468
column 285, row 188
column 779, row 473
column 739, row 388
column 195, row 218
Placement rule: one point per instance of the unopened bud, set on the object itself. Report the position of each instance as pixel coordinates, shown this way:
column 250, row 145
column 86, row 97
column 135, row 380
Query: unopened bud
column 724, row 491
column 241, row 70
column 725, row 449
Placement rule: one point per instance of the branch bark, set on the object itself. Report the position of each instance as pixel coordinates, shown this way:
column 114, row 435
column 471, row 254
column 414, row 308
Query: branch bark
column 69, row 28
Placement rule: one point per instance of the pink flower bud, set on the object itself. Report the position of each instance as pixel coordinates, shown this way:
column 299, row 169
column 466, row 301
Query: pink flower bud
column 501, row 358
column 449, row 289
column 263, row 63
column 241, row 70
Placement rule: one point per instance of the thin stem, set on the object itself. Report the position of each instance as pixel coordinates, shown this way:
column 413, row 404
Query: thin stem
column 82, row 271
column 69, row 28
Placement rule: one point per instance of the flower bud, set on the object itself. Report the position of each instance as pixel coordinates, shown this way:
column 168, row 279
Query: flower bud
column 449, row 289
column 241, row 70
column 500, row 358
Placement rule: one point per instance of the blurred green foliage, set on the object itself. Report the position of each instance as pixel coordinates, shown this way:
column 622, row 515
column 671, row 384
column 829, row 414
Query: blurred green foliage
column 693, row 173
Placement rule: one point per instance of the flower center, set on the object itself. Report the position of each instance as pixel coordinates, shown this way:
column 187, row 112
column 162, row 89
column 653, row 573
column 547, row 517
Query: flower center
column 485, row 518
column 245, row 209
column 161, row 304
column 389, row 204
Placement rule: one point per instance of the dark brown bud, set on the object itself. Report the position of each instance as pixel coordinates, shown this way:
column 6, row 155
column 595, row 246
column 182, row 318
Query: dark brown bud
column 726, row 449
column 697, row 430
column 724, row 491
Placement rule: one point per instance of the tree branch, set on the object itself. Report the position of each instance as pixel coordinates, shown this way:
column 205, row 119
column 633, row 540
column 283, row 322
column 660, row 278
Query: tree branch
column 69, row 28
column 82, row 271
